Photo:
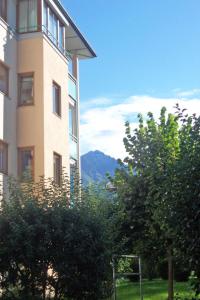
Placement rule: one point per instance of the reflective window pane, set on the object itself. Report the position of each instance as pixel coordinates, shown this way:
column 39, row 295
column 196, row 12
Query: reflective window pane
column 26, row 164
column 73, row 147
column 3, row 9
column 3, row 157
column 57, row 167
column 56, row 99
column 72, row 90
column 61, row 36
column 3, row 78
column 45, row 18
column 28, row 15
column 26, row 89
column 53, row 27
column 72, row 120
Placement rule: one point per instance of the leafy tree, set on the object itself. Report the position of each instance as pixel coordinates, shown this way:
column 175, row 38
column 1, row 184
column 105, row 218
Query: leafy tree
column 105, row 205
column 188, row 194
column 153, row 184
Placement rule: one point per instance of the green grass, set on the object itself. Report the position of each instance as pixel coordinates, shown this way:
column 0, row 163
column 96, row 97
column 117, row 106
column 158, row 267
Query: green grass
column 152, row 290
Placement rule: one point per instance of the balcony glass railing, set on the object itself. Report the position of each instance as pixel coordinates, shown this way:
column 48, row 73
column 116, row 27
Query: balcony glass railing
column 73, row 147
column 72, row 88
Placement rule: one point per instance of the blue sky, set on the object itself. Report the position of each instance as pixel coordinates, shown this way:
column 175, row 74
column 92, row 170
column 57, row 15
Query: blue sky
column 148, row 56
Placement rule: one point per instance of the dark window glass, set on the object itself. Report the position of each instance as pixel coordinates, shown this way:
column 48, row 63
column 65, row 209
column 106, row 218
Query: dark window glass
column 3, row 9
column 25, row 89
column 56, row 99
column 3, row 78
column 57, row 167
column 28, row 15
column 3, row 157
column 26, row 157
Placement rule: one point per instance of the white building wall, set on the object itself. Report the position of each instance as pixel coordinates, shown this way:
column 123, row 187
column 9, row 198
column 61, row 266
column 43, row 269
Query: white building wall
column 8, row 55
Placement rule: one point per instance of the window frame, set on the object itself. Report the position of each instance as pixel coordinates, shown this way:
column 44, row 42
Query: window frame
column 48, row 25
column 21, row 75
column 74, row 123
column 5, row 16
column 72, row 80
column 58, row 87
column 6, row 93
column 57, row 181
column 39, row 18
column 20, row 149
column 5, row 171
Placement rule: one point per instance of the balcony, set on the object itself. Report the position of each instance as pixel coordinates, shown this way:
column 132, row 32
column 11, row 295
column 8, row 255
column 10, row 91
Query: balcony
column 72, row 87
column 51, row 18
column 73, row 147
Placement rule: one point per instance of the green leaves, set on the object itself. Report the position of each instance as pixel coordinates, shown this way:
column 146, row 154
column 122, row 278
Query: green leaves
column 161, row 195
column 48, row 247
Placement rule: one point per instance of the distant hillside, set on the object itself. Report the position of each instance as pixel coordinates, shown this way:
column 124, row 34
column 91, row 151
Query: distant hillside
column 95, row 165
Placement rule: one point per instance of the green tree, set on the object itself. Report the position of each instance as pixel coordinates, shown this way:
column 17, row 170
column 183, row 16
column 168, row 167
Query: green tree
column 105, row 205
column 188, row 194
column 148, row 187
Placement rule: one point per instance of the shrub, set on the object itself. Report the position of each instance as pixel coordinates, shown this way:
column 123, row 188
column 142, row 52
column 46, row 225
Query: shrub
column 51, row 248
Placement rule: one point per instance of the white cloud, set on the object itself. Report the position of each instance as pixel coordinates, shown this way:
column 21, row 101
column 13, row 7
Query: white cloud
column 102, row 128
column 96, row 102
column 188, row 93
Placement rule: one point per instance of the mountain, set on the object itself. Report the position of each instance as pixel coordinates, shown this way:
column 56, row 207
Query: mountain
column 95, row 165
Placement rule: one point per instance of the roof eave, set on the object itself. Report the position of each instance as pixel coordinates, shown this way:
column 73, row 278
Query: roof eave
column 87, row 45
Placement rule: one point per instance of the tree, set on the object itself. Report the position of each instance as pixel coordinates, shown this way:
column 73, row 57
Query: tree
column 149, row 186
column 188, row 194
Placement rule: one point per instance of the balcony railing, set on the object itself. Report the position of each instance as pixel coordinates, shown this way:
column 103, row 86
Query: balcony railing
column 72, row 87
column 56, row 42
column 50, row 36
column 73, row 147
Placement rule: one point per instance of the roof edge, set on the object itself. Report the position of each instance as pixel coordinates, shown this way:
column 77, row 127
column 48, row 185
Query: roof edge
column 76, row 29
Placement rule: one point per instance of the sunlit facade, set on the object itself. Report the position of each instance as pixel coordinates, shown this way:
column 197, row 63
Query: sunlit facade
column 40, row 49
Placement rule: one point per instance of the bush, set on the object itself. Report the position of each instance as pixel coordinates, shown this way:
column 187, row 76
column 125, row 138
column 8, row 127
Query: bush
column 51, row 248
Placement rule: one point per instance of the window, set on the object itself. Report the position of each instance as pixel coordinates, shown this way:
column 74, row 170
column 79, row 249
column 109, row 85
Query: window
column 3, row 157
column 61, row 37
column 57, row 168
column 45, row 17
column 72, row 120
column 72, row 89
column 73, row 173
column 3, row 9
column 28, row 15
column 4, row 78
column 25, row 89
column 56, row 99
column 53, row 27
column 26, row 160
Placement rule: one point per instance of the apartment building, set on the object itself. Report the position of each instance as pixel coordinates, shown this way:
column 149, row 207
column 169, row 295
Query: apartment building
column 40, row 49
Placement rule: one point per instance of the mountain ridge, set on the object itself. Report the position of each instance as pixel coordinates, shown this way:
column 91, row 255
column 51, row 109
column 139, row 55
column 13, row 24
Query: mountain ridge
column 95, row 165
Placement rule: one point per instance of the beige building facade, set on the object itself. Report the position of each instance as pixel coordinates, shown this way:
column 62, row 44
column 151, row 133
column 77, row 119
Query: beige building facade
column 40, row 49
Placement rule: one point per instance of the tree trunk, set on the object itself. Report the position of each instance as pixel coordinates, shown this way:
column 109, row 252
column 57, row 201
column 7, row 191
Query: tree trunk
column 170, row 275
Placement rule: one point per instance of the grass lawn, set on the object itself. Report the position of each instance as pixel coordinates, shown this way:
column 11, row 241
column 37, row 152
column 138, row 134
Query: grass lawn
column 152, row 290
